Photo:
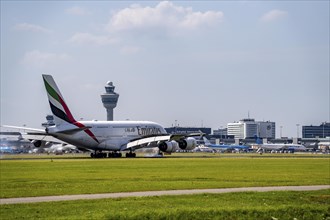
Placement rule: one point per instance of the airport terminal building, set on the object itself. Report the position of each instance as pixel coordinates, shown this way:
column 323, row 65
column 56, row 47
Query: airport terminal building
column 321, row 131
column 249, row 128
column 188, row 130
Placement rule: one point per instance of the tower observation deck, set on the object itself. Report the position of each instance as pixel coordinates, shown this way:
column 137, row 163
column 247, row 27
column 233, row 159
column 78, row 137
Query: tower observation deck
column 109, row 99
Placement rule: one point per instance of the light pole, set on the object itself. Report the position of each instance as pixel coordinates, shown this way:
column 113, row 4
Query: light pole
column 220, row 132
column 281, row 131
column 298, row 130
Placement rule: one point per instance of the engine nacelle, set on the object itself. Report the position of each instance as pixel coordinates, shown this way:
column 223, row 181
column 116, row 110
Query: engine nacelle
column 187, row 144
column 39, row 143
column 36, row 143
column 168, row 146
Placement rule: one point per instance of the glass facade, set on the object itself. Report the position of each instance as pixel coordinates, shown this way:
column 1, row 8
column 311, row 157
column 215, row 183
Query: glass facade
column 188, row 130
column 249, row 128
column 321, row 131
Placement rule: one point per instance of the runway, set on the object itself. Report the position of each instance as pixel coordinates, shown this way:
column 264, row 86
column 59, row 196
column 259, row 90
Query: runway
column 158, row 193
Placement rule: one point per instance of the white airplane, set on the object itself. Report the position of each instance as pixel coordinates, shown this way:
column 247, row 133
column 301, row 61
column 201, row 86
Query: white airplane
column 55, row 149
column 112, row 136
column 223, row 147
column 203, row 148
column 278, row 147
column 60, row 148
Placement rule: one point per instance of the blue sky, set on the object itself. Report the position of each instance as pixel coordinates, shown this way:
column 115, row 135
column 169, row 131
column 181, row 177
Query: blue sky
column 195, row 62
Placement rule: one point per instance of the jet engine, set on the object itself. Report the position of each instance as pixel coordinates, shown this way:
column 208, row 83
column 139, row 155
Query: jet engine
column 168, row 146
column 39, row 143
column 187, row 144
column 36, row 143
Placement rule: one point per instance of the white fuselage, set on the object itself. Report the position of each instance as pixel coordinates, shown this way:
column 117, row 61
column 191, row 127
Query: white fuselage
column 277, row 147
column 106, row 135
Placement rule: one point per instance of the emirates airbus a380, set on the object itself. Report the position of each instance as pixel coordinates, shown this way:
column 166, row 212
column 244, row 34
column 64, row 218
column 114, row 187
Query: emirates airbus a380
column 99, row 136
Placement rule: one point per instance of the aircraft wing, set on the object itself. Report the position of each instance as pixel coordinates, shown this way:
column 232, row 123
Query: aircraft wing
column 153, row 140
column 147, row 141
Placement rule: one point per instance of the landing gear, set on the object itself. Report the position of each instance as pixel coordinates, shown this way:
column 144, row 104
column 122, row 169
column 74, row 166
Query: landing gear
column 114, row 155
column 160, row 153
column 98, row 155
column 130, row 154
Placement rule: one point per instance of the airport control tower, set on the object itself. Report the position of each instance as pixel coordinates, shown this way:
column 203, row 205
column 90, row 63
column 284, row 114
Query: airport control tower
column 109, row 99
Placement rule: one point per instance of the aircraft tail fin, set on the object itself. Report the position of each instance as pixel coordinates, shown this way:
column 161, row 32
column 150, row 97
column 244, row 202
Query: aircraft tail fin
column 257, row 139
column 206, row 141
column 60, row 110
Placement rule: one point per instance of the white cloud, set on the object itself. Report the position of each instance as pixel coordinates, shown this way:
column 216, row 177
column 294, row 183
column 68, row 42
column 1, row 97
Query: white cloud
column 274, row 15
column 87, row 38
column 127, row 50
column 31, row 27
column 40, row 59
column 164, row 15
column 76, row 10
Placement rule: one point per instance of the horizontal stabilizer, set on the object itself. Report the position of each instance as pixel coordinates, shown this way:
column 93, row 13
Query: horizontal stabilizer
column 9, row 128
column 36, row 133
column 43, row 137
column 32, row 133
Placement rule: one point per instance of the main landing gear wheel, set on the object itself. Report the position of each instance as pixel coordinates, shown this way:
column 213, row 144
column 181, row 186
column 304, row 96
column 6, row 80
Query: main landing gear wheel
column 130, row 154
column 98, row 155
column 114, row 155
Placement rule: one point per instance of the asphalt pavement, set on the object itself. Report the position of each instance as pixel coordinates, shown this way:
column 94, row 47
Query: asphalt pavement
column 158, row 193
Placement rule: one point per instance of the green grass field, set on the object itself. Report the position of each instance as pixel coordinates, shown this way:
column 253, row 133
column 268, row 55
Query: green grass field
column 22, row 178
column 173, row 155
column 55, row 175
column 271, row 205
